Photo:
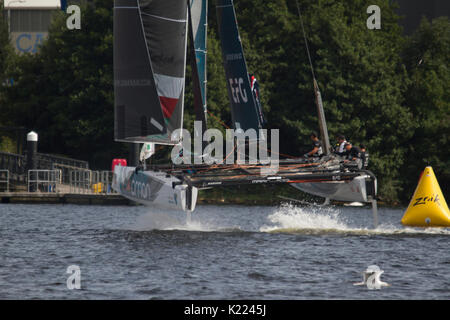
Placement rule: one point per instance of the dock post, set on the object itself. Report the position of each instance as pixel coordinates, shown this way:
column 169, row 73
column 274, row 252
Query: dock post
column 134, row 155
column 32, row 142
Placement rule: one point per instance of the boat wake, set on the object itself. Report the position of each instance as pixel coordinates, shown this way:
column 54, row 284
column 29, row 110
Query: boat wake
column 287, row 219
column 176, row 221
column 315, row 220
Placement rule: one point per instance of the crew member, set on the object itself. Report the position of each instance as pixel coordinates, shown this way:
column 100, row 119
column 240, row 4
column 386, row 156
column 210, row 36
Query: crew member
column 254, row 86
column 340, row 146
column 352, row 153
column 364, row 156
column 317, row 147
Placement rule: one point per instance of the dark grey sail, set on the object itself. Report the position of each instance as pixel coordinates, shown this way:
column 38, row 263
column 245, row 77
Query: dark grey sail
column 137, row 108
column 150, row 39
column 243, row 107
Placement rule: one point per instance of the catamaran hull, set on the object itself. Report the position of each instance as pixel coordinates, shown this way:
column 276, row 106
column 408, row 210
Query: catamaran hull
column 359, row 189
column 153, row 188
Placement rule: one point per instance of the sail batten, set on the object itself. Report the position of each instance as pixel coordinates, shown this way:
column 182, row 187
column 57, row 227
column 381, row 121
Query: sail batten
column 164, row 18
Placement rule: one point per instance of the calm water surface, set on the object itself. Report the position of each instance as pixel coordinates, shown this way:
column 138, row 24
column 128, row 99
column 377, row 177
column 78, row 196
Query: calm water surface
column 225, row 252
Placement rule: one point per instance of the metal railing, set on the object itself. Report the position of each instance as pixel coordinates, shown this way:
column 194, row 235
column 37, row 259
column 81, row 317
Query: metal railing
column 49, row 161
column 102, row 181
column 15, row 163
column 4, row 180
column 17, row 166
column 88, row 181
column 80, row 181
column 43, row 180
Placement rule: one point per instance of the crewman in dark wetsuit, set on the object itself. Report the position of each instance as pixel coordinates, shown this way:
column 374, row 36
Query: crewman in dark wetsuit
column 255, row 91
column 364, row 156
column 353, row 154
column 317, row 147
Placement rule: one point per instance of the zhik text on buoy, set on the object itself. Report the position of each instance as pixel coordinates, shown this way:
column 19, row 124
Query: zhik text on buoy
column 427, row 207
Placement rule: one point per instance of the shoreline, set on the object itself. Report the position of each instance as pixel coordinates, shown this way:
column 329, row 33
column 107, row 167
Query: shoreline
column 260, row 195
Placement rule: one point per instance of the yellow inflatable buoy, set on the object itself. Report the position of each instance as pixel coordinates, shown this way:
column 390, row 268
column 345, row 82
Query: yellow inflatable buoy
column 427, row 207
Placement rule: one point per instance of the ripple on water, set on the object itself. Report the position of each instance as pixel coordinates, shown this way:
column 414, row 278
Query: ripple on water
column 225, row 252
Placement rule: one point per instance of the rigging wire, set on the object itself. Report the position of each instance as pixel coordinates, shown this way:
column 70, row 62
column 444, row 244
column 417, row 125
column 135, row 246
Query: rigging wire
column 306, row 40
column 320, row 111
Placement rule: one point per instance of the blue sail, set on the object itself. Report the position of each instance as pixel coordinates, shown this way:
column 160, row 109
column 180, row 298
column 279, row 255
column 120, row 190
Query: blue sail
column 244, row 111
column 199, row 14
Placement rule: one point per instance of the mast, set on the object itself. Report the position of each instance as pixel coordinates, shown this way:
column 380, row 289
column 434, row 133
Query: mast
column 322, row 122
column 320, row 112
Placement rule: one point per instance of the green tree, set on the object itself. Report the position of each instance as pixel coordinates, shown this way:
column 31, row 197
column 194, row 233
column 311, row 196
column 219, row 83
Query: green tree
column 65, row 91
column 5, row 46
column 362, row 79
column 375, row 89
column 6, row 55
column 359, row 71
column 426, row 55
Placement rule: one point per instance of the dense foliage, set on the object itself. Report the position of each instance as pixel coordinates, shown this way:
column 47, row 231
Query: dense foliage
column 379, row 87
column 5, row 53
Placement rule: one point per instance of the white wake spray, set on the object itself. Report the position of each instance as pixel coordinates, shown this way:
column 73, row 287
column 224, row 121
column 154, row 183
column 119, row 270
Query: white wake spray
column 291, row 218
column 322, row 220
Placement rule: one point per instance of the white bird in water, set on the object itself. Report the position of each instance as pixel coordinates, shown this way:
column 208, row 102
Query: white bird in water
column 371, row 278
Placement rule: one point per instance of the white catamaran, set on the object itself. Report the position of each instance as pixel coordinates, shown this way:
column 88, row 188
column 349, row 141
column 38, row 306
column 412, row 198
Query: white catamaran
column 150, row 54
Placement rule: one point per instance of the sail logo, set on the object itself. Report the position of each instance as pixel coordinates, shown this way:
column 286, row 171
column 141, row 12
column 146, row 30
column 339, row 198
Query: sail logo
column 233, row 56
column 135, row 184
column 140, row 189
column 424, row 200
column 137, row 188
column 237, row 90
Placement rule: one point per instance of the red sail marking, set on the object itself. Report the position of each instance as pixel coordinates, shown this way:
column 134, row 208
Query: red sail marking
column 168, row 106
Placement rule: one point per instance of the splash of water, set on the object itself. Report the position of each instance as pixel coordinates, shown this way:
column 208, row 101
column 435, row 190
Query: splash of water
column 290, row 217
column 323, row 220
column 313, row 220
